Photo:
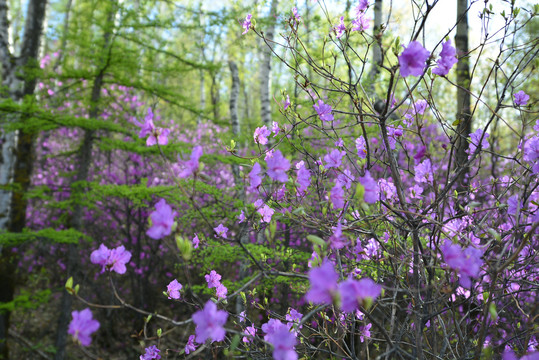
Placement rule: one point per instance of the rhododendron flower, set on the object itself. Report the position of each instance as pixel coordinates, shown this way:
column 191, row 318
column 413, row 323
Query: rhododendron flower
column 266, row 212
column 151, row 352
column 283, row 341
column 173, row 289
column 361, row 23
column 254, row 176
column 420, row 106
column 323, row 282
column 531, row 153
column 337, row 196
column 247, row 24
column 371, row 188
column 82, row 326
column 278, row 165
column 361, row 6
column 162, row 220
column 346, row 178
column 111, row 259
column 521, row 98
column 412, row 60
column 221, row 291
column 467, row 263
column 337, row 240
column 196, row 241
column 275, row 127
column 354, row 293
column 447, row 59
column 190, row 346
column 213, row 279
column 191, row 166
column 241, row 217
column 296, row 15
column 334, row 158
column 286, row 104
column 324, row 111
column 156, row 135
column 424, row 172
column 250, row 332
column 261, row 135
column 303, row 179
column 361, row 147
column 221, row 231
column 514, row 205
column 365, row 332
column 474, row 143
column 341, row 28
column 294, row 318
column 209, row 323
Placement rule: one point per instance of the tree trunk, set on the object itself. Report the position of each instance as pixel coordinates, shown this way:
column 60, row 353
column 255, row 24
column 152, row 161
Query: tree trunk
column 265, row 70
column 377, row 47
column 17, row 146
column 464, row 116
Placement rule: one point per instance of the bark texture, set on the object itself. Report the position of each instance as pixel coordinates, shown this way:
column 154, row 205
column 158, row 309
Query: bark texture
column 265, row 69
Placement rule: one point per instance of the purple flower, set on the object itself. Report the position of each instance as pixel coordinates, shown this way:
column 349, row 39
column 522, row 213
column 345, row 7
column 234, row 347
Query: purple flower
column 83, row 326
column 475, row 138
column 354, row 293
column 190, row 346
column 467, row 263
column 413, row 58
column 266, row 212
column 337, row 196
column 250, row 332
column 424, row 171
column 275, row 126
column 324, row 111
column 221, row 231
column 196, row 241
column 303, row 179
column 337, row 240
column 323, row 281
column 361, row 147
column 111, row 259
column 213, row 279
column 371, row 188
column 521, row 98
column 261, row 135
column 513, row 205
column 346, row 178
column 285, row 105
column 447, row 60
column 278, row 165
column 371, row 249
column 294, row 318
column 420, row 106
column 361, row 23
column 209, row 323
column 334, row 158
column 282, row 339
column 157, row 135
column 296, row 15
column 254, row 177
column 247, row 24
column 241, row 217
column 151, row 352
column 365, row 332
column 190, row 166
column 341, row 28
column 148, row 127
column 531, row 153
column 162, row 220
column 173, row 289
column 362, row 6
column 221, row 291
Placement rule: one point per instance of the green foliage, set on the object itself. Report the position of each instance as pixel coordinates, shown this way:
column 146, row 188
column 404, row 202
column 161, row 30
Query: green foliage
column 27, row 300
column 69, row 236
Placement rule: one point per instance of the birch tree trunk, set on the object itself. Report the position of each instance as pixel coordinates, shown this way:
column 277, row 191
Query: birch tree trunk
column 16, row 147
column 464, row 116
column 265, row 69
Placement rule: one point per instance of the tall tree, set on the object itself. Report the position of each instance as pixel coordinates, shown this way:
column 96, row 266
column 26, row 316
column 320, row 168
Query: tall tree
column 464, row 115
column 265, row 68
column 16, row 149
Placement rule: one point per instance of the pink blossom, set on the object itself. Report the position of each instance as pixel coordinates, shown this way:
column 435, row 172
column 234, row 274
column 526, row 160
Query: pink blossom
column 324, row 111
column 209, row 323
column 412, row 60
column 447, row 60
column 247, row 24
column 341, row 28
column 213, row 279
column 323, row 282
column 521, row 98
column 221, row 231
column 278, row 165
column 190, row 346
column 82, row 326
column 261, row 135
column 191, row 166
column 162, row 220
column 266, row 212
column 173, row 289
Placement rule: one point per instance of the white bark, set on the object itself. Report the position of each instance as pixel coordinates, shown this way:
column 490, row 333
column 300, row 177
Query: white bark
column 265, row 69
